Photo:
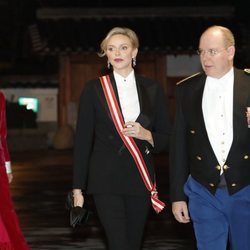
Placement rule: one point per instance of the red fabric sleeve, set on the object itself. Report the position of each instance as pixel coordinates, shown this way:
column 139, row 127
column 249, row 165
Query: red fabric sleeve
column 3, row 130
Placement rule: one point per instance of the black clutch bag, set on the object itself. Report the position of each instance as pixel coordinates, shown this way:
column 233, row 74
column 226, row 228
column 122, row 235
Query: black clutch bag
column 77, row 215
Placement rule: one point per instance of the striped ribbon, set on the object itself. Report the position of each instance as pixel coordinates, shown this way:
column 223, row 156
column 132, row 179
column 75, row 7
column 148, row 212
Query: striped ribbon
column 130, row 143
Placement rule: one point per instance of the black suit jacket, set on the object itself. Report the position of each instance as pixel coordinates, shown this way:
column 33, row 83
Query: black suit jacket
column 191, row 152
column 102, row 164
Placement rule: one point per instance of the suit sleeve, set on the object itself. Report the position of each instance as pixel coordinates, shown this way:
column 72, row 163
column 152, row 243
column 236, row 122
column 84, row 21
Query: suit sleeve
column 3, row 131
column 179, row 168
column 84, row 137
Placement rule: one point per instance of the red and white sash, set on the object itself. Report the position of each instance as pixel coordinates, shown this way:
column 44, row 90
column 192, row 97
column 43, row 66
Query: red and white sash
column 129, row 142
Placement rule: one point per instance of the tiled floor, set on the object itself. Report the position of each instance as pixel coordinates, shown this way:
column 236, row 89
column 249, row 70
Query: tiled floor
column 41, row 181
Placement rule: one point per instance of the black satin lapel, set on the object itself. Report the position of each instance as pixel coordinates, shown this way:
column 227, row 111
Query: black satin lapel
column 101, row 96
column 112, row 79
column 139, row 91
column 143, row 97
column 197, row 106
column 239, row 104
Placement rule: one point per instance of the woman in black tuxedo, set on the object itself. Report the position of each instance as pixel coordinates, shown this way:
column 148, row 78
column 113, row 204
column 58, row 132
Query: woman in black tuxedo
column 103, row 166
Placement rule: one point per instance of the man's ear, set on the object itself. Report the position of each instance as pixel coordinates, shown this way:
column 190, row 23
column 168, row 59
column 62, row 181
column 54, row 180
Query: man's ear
column 231, row 51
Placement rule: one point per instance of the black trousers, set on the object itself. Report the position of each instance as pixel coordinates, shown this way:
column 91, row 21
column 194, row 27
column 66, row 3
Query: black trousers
column 123, row 218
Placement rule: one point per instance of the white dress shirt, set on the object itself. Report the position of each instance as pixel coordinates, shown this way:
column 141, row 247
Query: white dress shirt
column 217, row 106
column 128, row 96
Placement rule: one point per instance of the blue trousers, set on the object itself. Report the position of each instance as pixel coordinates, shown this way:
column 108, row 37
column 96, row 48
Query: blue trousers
column 220, row 217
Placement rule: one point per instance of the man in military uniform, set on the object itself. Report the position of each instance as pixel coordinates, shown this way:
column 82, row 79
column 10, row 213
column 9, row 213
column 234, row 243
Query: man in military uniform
column 210, row 155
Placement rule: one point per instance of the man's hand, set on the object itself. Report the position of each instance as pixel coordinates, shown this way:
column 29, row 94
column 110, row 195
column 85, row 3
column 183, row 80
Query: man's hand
column 180, row 211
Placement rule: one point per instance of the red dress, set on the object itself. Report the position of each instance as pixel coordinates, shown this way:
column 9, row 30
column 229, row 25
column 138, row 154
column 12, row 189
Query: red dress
column 11, row 237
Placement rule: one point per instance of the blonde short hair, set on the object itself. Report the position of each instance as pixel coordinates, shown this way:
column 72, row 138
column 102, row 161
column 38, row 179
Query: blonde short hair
column 119, row 31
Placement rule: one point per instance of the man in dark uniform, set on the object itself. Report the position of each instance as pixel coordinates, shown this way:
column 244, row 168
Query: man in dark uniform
column 210, row 155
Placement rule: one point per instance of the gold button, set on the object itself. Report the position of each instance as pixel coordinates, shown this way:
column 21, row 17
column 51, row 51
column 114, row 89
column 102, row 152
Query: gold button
column 198, row 157
column 246, row 157
column 211, row 184
column 225, row 167
column 218, row 167
column 192, row 131
column 233, row 184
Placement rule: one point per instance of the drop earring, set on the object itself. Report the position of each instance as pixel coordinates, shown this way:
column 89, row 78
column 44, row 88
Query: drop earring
column 133, row 62
column 108, row 65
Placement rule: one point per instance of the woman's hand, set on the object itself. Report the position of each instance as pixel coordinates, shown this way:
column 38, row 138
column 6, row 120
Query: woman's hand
column 134, row 129
column 78, row 198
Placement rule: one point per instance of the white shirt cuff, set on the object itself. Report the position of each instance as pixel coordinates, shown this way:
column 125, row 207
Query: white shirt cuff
column 8, row 167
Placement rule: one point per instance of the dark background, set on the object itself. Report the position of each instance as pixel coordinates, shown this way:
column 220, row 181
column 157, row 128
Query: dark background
column 16, row 16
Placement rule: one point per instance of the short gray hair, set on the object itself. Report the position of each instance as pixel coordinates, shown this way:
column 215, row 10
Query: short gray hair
column 227, row 34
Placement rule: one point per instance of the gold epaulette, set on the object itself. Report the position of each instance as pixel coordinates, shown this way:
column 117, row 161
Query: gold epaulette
column 183, row 80
column 247, row 71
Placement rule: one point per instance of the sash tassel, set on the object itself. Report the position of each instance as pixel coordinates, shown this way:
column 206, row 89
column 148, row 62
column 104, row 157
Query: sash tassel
column 156, row 203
